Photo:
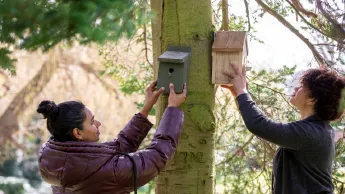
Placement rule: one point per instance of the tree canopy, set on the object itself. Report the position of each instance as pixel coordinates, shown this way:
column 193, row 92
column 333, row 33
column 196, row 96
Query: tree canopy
column 41, row 24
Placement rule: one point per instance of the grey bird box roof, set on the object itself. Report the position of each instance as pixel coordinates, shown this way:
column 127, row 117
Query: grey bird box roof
column 230, row 41
column 173, row 57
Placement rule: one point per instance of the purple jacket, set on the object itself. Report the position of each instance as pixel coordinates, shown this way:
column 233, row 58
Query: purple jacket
column 90, row 168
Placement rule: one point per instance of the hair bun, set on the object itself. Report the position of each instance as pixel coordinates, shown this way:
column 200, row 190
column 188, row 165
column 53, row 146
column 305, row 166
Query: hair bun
column 47, row 108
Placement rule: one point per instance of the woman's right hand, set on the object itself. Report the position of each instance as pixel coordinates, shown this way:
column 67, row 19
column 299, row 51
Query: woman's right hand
column 238, row 80
column 176, row 100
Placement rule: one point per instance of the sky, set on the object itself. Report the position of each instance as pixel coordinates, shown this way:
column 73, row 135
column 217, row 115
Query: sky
column 281, row 47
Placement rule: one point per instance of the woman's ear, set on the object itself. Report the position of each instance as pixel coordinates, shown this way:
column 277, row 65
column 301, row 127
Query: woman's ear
column 77, row 135
column 311, row 101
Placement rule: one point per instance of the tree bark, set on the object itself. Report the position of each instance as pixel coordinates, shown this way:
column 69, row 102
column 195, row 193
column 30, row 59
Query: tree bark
column 186, row 23
column 157, row 8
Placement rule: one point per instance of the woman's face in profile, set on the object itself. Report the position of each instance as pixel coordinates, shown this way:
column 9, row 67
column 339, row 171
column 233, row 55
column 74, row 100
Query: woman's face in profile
column 300, row 98
column 297, row 96
column 90, row 132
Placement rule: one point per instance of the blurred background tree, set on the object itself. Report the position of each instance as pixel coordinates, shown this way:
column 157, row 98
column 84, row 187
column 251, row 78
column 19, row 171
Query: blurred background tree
column 39, row 24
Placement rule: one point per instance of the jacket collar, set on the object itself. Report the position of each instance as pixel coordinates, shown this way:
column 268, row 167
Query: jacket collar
column 314, row 118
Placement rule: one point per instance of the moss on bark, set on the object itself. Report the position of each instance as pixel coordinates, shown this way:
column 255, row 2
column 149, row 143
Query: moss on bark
column 189, row 23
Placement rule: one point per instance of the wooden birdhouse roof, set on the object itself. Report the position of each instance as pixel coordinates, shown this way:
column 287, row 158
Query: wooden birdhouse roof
column 230, row 41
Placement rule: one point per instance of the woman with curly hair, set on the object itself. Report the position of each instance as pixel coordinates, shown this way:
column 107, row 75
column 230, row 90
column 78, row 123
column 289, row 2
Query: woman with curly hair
column 303, row 162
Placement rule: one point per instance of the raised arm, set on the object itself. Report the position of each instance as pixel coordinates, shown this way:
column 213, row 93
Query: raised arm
column 134, row 133
column 137, row 128
column 296, row 135
column 153, row 159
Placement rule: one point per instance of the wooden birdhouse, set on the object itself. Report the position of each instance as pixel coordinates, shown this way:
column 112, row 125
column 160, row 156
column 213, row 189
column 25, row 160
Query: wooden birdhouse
column 229, row 47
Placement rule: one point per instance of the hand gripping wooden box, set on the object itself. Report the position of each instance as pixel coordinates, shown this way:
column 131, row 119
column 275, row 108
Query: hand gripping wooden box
column 229, row 47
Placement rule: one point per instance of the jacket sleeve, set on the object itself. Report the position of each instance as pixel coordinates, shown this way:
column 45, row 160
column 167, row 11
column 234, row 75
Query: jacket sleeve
column 150, row 161
column 60, row 190
column 296, row 135
column 133, row 134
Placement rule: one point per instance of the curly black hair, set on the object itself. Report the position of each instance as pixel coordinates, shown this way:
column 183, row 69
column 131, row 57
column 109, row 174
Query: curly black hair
column 326, row 87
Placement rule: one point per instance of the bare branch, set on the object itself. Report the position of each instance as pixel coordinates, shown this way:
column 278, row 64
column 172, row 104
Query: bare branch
column 146, row 47
column 339, row 29
column 282, row 20
column 280, row 93
column 298, row 6
column 107, row 86
column 306, row 21
column 325, row 44
column 338, row 181
column 247, row 13
column 238, row 150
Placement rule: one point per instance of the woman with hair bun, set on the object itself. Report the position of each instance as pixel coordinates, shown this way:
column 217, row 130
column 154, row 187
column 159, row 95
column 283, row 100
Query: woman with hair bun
column 73, row 162
column 303, row 162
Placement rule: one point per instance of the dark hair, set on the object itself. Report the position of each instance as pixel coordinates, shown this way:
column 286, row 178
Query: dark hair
column 326, row 87
column 63, row 118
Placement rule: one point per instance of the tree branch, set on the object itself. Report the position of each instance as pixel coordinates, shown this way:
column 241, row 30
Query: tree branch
column 280, row 93
column 24, row 98
column 306, row 21
column 339, row 29
column 281, row 19
column 225, row 15
column 146, row 48
column 325, row 44
column 338, row 181
column 298, row 6
column 107, row 86
column 247, row 13
column 239, row 149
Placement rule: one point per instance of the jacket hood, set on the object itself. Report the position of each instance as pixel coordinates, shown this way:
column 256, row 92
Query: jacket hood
column 69, row 163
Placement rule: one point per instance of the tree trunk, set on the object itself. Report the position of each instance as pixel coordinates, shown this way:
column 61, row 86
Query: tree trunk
column 187, row 23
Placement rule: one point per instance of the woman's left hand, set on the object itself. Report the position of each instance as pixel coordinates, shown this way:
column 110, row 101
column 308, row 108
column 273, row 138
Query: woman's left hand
column 152, row 95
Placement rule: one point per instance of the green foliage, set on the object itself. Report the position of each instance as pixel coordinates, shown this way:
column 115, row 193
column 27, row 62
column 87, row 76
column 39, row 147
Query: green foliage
column 12, row 188
column 131, row 84
column 237, row 23
column 41, row 24
column 279, row 7
column 6, row 62
column 131, row 79
column 9, row 168
column 244, row 162
column 339, row 161
column 27, row 169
